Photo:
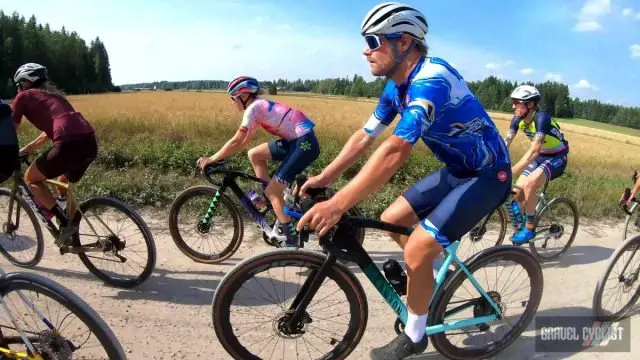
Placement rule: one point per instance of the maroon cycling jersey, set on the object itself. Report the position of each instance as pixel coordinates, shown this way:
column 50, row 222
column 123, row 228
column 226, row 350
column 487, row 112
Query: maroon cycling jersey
column 50, row 113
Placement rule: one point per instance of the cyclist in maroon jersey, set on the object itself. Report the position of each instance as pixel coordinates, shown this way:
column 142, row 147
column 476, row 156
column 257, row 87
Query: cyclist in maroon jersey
column 74, row 143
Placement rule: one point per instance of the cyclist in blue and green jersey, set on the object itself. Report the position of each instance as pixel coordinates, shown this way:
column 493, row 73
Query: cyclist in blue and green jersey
column 545, row 159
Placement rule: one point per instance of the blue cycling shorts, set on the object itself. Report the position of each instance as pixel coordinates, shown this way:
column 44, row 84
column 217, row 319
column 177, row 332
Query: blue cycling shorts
column 553, row 165
column 448, row 206
column 294, row 156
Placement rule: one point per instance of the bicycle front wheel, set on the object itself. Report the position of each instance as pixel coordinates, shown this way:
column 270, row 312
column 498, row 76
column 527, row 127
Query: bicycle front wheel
column 205, row 228
column 127, row 253
column 71, row 329
column 557, row 221
column 21, row 240
column 254, row 301
column 621, row 279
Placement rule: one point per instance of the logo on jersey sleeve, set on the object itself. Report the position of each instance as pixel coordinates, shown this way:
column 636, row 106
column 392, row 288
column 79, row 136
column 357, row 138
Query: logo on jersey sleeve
column 422, row 109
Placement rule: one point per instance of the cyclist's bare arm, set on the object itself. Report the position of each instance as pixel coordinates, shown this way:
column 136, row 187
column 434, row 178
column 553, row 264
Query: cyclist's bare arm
column 509, row 138
column 352, row 151
column 235, row 144
column 530, row 155
column 635, row 188
column 377, row 171
column 36, row 144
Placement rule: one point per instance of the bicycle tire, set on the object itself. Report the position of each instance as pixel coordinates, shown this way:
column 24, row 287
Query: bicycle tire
column 17, row 281
column 502, row 216
column 234, row 279
column 447, row 290
column 598, row 311
column 36, row 225
column 142, row 227
column 238, row 226
column 634, row 210
column 576, row 219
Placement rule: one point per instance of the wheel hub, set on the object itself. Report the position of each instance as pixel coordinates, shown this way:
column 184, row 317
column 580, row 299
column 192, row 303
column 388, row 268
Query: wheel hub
column 54, row 346
column 556, row 230
column 203, row 228
column 628, row 282
column 484, row 308
column 291, row 332
column 477, row 233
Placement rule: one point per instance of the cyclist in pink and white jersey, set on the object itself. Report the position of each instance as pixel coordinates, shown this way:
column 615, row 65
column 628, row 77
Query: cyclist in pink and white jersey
column 296, row 148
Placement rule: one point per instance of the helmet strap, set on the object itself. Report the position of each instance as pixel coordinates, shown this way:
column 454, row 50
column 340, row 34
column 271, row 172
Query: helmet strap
column 244, row 102
column 398, row 58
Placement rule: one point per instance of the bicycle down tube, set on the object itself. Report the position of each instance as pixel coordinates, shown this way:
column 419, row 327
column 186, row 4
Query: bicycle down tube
column 357, row 254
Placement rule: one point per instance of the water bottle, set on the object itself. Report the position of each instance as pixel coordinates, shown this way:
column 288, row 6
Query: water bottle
column 517, row 214
column 257, row 200
column 62, row 202
column 396, row 276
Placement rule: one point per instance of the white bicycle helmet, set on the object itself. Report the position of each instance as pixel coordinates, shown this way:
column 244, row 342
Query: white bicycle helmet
column 393, row 18
column 526, row 93
column 31, row 72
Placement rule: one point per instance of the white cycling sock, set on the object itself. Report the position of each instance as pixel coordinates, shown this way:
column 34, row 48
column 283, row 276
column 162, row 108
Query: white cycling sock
column 415, row 328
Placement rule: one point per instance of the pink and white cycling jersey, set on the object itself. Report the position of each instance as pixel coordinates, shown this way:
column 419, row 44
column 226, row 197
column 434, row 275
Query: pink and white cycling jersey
column 276, row 118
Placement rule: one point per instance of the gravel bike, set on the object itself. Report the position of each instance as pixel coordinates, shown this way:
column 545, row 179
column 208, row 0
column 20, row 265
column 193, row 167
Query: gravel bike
column 305, row 316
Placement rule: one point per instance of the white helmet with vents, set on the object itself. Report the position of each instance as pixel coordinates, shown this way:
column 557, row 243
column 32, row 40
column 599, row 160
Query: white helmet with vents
column 393, row 18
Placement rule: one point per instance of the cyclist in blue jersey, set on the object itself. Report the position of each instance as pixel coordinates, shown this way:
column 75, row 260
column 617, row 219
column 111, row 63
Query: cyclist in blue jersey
column 8, row 143
column 435, row 105
column 546, row 158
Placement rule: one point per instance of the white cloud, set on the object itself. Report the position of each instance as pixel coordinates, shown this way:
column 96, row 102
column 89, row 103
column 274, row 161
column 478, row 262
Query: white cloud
column 584, row 84
column 635, row 51
column 526, row 71
column 596, row 7
column 589, row 14
column 491, row 66
column 638, row 16
column 553, row 77
column 587, row 26
column 627, row 12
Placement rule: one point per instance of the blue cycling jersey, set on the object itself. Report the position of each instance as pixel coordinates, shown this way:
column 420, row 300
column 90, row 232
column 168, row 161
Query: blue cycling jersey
column 7, row 129
column 436, row 105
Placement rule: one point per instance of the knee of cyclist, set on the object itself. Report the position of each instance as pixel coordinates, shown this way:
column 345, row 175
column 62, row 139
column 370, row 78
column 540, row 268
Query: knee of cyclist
column 419, row 252
column 529, row 188
column 253, row 155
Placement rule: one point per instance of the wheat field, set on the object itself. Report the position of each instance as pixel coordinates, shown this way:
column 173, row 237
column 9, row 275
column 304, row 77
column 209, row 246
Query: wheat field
column 149, row 142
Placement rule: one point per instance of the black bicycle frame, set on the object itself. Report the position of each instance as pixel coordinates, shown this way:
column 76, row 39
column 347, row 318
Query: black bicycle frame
column 229, row 182
column 352, row 251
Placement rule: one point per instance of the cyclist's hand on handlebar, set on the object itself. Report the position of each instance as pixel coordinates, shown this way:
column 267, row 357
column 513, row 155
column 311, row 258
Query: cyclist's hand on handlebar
column 203, row 162
column 321, row 217
column 312, row 183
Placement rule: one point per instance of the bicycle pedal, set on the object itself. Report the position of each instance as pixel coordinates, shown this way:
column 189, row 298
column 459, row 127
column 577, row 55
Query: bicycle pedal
column 483, row 327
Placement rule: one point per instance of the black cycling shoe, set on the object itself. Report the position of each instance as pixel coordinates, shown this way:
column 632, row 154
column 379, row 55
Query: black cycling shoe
column 399, row 348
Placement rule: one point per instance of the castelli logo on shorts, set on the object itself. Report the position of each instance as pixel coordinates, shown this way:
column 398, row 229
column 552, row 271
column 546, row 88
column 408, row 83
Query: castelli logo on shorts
column 502, row 176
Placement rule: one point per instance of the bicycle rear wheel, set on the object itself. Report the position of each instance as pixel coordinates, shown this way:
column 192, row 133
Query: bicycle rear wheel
column 64, row 341
column 192, row 236
column 21, row 240
column 126, row 261
column 242, row 304
column 621, row 276
column 520, row 269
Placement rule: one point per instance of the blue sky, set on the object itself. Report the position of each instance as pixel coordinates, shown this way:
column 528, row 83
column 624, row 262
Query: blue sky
column 591, row 45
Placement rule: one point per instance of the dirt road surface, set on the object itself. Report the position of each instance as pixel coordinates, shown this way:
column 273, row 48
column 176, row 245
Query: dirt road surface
column 169, row 316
